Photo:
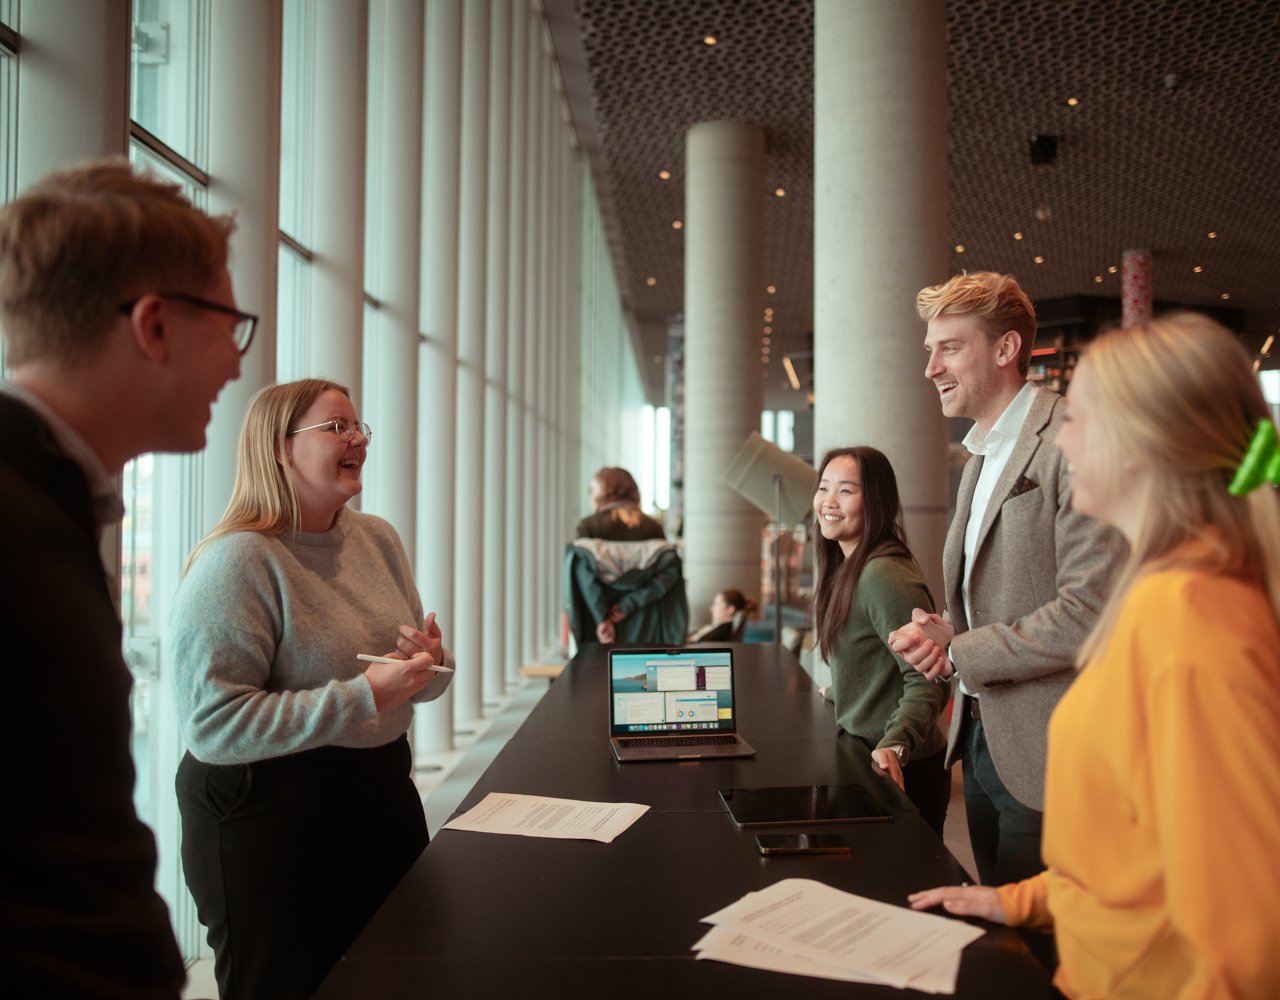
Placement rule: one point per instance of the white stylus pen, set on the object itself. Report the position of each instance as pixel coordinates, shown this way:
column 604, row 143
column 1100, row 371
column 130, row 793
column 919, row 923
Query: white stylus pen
column 438, row 668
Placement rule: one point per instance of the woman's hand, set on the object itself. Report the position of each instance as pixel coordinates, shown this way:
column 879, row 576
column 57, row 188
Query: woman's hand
column 605, row 632
column 887, row 761
column 615, row 614
column 413, row 641
column 395, row 683
column 962, row 900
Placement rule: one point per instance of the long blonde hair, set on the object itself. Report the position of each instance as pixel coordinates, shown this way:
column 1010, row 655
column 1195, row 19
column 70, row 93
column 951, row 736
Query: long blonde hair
column 264, row 497
column 1177, row 397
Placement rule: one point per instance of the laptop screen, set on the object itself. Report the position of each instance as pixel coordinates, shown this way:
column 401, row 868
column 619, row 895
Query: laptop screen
column 655, row 691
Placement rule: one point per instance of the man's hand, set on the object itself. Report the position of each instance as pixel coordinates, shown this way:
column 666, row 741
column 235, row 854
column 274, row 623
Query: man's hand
column 922, row 643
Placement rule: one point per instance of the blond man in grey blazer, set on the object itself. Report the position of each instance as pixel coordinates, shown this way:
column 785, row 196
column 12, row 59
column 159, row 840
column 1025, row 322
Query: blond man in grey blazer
column 1025, row 575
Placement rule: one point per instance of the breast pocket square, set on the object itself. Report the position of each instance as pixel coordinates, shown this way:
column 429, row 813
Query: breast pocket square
column 1023, row 485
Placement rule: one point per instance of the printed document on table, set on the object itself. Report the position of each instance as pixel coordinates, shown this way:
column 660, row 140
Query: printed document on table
column 890, row 943
column 721, row 944
column 539, row 816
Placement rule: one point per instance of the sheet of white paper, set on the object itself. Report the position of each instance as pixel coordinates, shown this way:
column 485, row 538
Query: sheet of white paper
column 724, row 945
column 814, row 920
column 736, row 948
column 539, row 816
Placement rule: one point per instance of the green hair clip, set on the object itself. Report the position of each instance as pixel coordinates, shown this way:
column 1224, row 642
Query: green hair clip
column 1261, row 462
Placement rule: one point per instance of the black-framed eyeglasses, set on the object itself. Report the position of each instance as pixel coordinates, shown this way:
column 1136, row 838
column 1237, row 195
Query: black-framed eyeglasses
column 344, row 428
column 246, row 323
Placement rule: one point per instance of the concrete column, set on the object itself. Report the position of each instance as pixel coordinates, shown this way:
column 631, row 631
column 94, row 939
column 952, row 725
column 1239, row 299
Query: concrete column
column 1136, row 287
column 392, row 262
column 438, row 358
column 880, row 235
column 496, row 343
column 724, row 294
column 532, row 292
column 244, row 177
column 513, row 600
column 337, row 284
column 73, row 85
column 468, row 524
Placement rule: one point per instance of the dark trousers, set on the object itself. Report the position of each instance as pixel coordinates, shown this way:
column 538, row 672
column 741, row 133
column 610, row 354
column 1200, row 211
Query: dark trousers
column 288, row 858
column 928, row 784
column 929, row 787
column 1004, row 833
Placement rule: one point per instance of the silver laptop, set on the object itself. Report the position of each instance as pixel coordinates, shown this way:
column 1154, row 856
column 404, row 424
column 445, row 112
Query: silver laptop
column 673, row 704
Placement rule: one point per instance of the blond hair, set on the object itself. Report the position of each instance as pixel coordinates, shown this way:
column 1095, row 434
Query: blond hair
column 1178, row 398
column 78, row 244
column 264, row 497
column 996, row 299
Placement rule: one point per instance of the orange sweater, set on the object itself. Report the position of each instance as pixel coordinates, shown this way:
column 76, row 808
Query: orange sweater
column 1162, row 805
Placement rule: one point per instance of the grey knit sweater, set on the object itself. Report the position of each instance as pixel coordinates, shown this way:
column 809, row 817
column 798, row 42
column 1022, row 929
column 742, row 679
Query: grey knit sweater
column 265, row 633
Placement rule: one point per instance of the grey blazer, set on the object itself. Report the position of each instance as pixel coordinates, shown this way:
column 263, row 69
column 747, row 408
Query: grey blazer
column 1041, row 573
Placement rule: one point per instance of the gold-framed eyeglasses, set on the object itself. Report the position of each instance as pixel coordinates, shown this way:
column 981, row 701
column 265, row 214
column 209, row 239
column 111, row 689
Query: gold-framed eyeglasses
column 242, row 333
column 344, row 428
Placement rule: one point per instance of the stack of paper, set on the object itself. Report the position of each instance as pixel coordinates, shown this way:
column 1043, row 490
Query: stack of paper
column 810, row 929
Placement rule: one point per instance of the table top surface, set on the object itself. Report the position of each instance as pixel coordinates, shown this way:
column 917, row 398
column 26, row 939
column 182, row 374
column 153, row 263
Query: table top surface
column 481, row 915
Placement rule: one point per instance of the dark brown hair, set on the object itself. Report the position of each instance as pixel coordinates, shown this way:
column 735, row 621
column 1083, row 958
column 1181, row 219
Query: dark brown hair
column 882, row 535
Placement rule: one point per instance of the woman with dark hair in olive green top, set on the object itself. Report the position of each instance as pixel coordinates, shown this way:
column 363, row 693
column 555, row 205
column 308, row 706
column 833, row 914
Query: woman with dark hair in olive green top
column 867, row 580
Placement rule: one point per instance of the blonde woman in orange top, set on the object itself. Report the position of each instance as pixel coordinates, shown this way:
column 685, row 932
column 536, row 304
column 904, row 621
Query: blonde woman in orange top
column 1162, row 806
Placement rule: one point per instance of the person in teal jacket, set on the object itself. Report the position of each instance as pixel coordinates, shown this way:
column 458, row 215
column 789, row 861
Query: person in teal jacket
column 867, row 580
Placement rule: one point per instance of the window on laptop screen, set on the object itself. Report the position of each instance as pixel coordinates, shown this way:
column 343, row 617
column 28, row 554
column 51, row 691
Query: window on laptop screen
column 660, row 692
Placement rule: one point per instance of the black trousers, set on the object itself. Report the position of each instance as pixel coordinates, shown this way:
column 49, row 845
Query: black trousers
column 928, row 784
column 288, row 858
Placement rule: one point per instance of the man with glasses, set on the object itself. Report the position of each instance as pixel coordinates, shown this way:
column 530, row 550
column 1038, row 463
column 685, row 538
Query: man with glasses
column 121, row 329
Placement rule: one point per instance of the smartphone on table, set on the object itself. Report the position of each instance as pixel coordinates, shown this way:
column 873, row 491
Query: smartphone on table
column 802, row 843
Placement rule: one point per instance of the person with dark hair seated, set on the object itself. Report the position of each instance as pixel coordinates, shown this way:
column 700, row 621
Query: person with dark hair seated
column 729, row 610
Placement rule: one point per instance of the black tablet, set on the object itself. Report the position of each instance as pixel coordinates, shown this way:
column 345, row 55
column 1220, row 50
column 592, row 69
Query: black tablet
column 796, row 804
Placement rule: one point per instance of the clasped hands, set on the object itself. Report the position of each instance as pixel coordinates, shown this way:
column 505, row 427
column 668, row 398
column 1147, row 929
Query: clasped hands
column 922, row 643
column 605, row 631
column 395, row 683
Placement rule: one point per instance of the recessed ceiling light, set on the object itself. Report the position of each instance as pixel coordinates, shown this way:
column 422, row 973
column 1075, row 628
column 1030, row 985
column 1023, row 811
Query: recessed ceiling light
column 1112, row 269
column 664, row 175
column 959, row 248
column 1038, row 259
column 1017, row 236
column 1212, row 234
column 768, row 329
column 651, row 281
column 772, row 289
column 765, row 340
column 780, row 192
column 709, row 39
column 1097, row 279
column 677, row 224
column 1226, row 295
column 1072, row 102
column 1197, row 269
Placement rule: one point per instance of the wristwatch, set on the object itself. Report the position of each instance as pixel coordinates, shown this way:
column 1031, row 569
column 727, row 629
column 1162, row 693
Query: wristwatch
column 899, row 751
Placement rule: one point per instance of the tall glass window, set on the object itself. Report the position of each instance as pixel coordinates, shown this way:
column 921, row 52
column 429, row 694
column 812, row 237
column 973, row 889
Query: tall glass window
column 8, row 116
column 297, row 150
column 171, row 73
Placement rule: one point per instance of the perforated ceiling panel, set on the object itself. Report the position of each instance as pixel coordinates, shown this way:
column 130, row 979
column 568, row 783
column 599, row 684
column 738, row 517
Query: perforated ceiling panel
column 1174, row 134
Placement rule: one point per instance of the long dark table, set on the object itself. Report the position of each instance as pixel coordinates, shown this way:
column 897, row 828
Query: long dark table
column 484, row 915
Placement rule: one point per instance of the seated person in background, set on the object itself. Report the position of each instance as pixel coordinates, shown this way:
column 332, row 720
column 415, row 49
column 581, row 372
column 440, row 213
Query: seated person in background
column 1162, row 800
column 299, row 811
column 725, row 607
column 867, row 580
column 618, row 516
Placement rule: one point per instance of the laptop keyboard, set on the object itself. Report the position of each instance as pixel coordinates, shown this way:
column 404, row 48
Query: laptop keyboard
column 679, row 741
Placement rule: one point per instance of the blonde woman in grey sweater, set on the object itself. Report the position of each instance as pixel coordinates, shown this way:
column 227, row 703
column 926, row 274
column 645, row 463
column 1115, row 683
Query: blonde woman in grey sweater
column 299, row 812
